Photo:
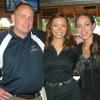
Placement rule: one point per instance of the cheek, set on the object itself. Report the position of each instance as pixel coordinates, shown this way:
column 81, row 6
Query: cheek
column 90, row 29
column 53, row 30
column 93, row 28
column 18, row 22
column 78, row 30
column 64, row 29
column 91, row 32
column 31, row 24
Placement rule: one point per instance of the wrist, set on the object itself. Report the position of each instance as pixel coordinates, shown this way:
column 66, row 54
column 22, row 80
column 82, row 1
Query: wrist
column 83, row 59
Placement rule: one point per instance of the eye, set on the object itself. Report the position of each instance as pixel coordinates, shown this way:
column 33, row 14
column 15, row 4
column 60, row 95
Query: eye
column 87, row 24
column 63, row 25
column 22, row 17
column 54, row 25
column 30, row 17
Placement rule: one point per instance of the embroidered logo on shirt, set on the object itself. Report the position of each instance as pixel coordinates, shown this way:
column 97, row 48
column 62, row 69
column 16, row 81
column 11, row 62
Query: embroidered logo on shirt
column 33, row 48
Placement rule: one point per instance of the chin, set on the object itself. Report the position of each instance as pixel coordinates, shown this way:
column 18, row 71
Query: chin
column 84, row 37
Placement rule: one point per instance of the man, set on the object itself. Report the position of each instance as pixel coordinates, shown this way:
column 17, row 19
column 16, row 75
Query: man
column 22, row 69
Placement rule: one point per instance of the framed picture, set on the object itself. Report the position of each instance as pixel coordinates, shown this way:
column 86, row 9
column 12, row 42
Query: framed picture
column 11, row 4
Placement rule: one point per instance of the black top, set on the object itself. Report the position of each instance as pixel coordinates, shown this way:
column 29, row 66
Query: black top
column 22, row 65
column 59, row 67
column 90, row 74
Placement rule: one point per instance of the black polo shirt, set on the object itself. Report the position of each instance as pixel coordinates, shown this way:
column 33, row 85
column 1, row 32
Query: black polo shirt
column 58, row 68
column 22, row 65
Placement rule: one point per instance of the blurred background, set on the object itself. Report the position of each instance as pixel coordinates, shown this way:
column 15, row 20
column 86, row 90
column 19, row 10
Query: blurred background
column 45, row 8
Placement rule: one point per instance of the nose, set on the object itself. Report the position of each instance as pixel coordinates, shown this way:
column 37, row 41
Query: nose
column 59, row 28
column 27, row 20
column 83, row 28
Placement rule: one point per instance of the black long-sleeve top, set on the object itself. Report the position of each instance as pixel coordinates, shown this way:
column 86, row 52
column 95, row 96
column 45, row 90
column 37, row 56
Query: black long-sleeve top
column 59, row 68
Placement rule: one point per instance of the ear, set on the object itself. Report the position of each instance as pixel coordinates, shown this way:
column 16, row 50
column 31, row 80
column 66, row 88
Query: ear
column 12, row 17
column 94, row 25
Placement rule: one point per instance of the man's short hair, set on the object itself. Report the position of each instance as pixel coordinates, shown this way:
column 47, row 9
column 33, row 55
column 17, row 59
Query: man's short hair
column 20, row 4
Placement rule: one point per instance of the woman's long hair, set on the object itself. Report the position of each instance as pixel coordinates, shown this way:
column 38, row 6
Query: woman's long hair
column 95, row 47
column 68, row 39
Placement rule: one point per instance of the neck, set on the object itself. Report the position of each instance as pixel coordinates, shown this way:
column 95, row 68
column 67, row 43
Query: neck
column 88, row 41
column 57, row 43
column 19, row 34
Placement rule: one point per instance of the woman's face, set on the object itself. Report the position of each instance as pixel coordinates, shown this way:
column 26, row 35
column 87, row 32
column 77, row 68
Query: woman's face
column 59, row 28
column 84, row 27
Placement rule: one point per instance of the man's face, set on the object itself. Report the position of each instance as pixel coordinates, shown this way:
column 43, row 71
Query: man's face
column 23, row 20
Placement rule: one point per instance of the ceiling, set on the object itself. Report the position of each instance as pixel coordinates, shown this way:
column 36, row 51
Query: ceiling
column 66, row 2
column 71, row 7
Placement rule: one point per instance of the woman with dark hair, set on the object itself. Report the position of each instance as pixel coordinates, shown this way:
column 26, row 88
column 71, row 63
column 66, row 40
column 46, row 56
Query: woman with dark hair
column 89, row 62
column 60, row 56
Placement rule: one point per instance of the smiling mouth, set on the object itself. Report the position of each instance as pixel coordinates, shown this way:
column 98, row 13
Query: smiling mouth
column 84, row 33
column 59, row 33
